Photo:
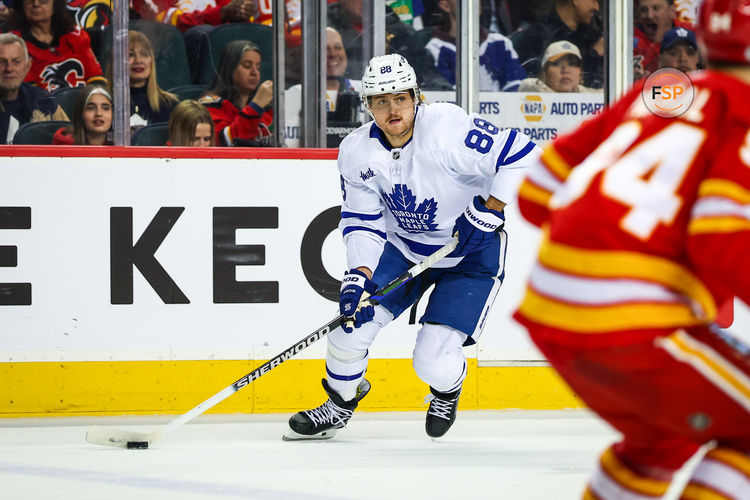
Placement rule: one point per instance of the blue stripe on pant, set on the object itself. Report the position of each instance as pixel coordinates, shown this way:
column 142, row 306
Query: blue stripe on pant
column 462, row 293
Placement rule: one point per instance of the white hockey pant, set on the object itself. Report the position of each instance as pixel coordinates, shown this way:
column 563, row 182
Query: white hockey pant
column 438, row 357
column 347, row 356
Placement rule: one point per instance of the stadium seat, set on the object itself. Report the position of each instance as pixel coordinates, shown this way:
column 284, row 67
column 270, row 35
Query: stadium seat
column 38, row 132
column 66, row 98
column 155, row 134
column 169, row 50
column 184, row 92
column 220, row 36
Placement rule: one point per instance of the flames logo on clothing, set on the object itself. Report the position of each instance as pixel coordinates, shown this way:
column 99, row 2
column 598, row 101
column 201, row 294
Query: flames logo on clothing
column 90, row 13
column 68, row 73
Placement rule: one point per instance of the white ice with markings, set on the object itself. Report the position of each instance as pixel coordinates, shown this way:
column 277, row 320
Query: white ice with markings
column 514, row 455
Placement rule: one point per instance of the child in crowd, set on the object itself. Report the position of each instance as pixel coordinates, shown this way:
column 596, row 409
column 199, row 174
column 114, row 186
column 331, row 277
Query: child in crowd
column 92, row 119
column 191, row 125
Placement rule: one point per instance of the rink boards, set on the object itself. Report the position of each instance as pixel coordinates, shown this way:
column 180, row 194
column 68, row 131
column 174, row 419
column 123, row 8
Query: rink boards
column 143, row 284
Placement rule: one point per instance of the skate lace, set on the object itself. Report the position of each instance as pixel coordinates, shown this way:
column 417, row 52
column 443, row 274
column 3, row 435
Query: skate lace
column 330, row 413
column 439, row 407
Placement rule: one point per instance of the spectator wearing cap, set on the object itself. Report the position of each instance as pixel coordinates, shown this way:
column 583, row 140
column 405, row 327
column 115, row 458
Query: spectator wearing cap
column 679, row 49
column 21, row 102
column 561, row 71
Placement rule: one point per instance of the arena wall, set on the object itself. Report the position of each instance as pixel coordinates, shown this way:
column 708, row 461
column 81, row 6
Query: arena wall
column 144, row 280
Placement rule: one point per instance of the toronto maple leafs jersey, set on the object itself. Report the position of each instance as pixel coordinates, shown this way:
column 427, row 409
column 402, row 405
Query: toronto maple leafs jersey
column 411, row 196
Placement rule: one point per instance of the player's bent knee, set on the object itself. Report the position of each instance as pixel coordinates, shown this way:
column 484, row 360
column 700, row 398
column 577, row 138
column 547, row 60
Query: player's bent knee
column 345, row 355
column 361, row 338
column 438, row 358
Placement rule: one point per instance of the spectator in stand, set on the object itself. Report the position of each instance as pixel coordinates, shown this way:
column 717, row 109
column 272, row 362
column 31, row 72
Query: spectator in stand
column 238, row 102
column 148, row 102
column 191, row 125
column 679, row 49
column 4, row 12
column 60, row 51
column 343, row 102
column 576, row 21
column 92, row 119
column 185, row 14
column 504, row 16
column 336, row 64
column 20, row 102
column 499, row 68
column 655, row 18
column 561, row 71
column 346, row 17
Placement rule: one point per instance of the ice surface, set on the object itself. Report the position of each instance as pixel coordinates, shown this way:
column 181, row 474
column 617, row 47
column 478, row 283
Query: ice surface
column 514, row 455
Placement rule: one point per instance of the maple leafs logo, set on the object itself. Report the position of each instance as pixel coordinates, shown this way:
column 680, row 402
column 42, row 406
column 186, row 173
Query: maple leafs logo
column 411, row 217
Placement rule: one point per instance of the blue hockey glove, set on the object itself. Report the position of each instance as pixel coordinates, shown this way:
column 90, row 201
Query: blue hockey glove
column 354, row 284
column 476, row 228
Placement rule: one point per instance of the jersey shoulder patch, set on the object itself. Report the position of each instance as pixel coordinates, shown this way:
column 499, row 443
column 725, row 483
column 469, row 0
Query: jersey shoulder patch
column 210, row 99
column 355, row 151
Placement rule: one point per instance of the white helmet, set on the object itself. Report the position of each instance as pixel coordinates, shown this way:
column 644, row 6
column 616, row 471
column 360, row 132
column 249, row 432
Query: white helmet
column 388, row 74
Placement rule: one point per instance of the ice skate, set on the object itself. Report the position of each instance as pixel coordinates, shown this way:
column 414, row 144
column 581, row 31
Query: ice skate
column 323, row 422
column 442, row 412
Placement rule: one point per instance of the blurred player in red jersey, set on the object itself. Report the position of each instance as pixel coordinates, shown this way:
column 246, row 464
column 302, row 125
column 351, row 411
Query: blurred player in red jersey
column 647, row 235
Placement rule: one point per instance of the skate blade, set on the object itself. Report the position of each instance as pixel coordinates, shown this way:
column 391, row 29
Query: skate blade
column 291, row 435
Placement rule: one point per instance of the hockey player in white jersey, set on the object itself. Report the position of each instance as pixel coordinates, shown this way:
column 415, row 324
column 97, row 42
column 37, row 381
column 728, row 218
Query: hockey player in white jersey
column 410, row 180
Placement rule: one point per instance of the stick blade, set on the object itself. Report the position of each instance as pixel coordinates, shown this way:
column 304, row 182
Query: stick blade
column 107, row 436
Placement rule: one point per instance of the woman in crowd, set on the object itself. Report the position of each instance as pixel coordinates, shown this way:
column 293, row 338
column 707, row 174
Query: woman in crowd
column 60, row 51
column 148, row 102
column 92, row 119
column 562, row 71
column 191, row 125
column 237, row 100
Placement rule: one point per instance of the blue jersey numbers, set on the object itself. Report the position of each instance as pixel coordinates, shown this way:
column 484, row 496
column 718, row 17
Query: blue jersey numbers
column 478, row 140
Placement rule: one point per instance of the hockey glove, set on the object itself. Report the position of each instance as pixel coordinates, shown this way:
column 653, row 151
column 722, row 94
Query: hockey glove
column 354, row 284
column 476, row 228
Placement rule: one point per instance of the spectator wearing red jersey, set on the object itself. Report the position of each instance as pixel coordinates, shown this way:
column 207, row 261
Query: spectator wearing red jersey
column 655, row 18
column 237, row 100
column 60, row 51
column 186, row 14
column 92, row 119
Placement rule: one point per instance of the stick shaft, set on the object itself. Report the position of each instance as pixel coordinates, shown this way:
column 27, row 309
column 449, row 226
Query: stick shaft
column 304, row 343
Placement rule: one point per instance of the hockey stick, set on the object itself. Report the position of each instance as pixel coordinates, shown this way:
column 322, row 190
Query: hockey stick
column 108, row 436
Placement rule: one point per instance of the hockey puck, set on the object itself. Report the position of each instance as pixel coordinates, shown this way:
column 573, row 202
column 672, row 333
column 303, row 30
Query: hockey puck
column 137, row 445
